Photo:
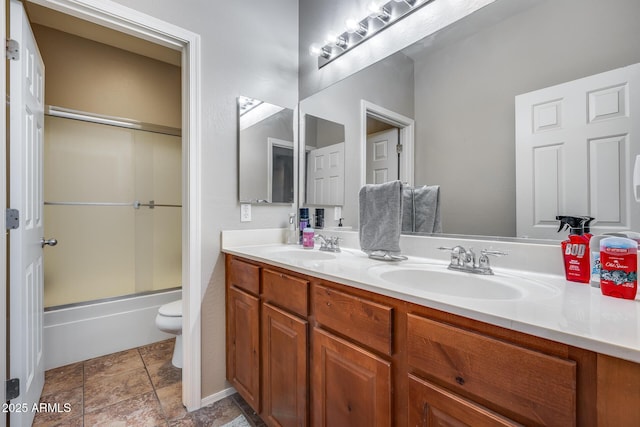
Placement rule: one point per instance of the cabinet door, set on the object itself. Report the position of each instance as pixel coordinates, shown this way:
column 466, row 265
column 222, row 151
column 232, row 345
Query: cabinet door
column 351, row 386
column 243, row 342
column 284, row 365
column 432, row 406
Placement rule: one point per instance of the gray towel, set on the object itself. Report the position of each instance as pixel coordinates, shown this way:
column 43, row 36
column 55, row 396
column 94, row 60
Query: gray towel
column 381, row 217
column 421, row 211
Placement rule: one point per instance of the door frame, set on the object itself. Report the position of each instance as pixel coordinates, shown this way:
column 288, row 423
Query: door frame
column 135, row 23
column 3, row 208
column 406, row 138
column 277, row 142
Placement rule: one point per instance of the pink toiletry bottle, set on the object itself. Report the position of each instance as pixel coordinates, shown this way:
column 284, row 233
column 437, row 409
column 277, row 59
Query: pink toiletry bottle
column 307, row 238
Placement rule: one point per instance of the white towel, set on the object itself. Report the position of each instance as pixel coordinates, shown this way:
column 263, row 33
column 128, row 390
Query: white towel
column 381, row 217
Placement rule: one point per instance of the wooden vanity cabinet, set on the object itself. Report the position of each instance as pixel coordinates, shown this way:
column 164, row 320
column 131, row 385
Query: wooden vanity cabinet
column 243, row 330
column 432, row 406
column 285, row 343
column 304, row 351
column 531, row 387
column 352, row 385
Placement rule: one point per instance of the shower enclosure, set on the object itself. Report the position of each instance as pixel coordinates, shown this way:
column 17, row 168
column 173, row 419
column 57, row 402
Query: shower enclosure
column 112, row 191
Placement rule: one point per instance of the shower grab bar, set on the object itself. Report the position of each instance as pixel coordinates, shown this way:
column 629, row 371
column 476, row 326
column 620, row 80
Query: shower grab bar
column 136, row 204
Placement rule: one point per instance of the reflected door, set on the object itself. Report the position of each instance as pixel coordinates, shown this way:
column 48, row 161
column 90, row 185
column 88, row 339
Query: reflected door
column 577, row 146
column 382, row 157
column 325, row 180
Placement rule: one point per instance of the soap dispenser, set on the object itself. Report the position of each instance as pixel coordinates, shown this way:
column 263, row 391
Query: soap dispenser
column 292, row 233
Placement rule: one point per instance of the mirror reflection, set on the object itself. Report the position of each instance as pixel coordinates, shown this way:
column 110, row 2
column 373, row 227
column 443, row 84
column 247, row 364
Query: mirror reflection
column 266, row 152
column 324, row 161
column 460, row 87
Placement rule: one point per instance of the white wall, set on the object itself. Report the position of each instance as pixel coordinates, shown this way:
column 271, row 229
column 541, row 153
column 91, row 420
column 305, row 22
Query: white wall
column 248, row 48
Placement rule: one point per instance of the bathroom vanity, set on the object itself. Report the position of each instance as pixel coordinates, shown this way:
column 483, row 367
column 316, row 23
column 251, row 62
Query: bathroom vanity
column 319, row 339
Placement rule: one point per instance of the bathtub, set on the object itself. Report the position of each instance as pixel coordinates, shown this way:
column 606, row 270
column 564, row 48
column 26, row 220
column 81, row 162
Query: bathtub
column 82, row 331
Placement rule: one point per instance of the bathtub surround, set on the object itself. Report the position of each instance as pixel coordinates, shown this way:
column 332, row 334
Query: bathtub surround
column 81, row 332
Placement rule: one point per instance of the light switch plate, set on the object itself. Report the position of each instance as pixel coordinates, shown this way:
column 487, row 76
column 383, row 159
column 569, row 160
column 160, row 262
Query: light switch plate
column 245, row 212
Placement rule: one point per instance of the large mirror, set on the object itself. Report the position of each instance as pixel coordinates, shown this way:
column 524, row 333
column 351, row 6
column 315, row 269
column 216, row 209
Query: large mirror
column 451, row 99
column 266, row 152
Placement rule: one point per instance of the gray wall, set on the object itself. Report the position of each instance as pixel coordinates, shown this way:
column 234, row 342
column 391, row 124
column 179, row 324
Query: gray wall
column 389, row 84
column 248, row 48
column 465, row 99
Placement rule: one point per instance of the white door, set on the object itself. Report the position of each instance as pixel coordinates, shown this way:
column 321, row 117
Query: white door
column 325, row 179
column 576, row 148
column 382, row 157
column 26, row 106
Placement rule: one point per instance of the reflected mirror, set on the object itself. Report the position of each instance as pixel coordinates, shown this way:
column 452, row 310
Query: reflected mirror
column 266, row 152
column 460, row 87
column 324, row 161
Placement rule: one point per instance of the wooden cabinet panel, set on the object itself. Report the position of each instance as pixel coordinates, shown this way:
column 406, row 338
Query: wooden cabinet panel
column 244, row 276
column 618, row 392
column 285, row 370
column 433, row 406
column 286, row 291
column 351, row 386
column 365, row 321
column 528, row 386
column 243, row 345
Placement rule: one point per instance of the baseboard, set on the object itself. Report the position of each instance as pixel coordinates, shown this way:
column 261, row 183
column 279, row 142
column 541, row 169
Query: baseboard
column 217, row 396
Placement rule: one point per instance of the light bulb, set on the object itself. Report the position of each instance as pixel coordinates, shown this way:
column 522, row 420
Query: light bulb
column 352, row 25
column 315, row 50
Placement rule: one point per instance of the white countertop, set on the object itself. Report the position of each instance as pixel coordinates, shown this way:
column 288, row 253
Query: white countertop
column 567, row 312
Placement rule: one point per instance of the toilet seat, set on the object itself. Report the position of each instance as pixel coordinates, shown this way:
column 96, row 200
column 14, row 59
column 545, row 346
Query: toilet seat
column 172, row 309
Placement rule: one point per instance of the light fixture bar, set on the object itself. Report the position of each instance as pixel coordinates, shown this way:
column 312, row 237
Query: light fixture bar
column 380, row 16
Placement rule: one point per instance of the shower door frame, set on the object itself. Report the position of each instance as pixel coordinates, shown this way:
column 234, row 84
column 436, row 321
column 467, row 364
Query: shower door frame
column 133, row 22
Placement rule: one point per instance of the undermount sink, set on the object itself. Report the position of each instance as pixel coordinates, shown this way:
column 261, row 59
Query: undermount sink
column 437, row 279
column 299, row 254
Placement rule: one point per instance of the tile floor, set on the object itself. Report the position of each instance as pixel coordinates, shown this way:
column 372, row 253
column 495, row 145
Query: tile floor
column 138, row 387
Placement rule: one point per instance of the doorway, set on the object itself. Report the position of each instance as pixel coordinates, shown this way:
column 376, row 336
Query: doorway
column 131, row 22
column 386, row 141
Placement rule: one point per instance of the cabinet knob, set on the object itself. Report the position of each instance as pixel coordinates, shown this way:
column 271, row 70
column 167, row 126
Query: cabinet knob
column 460, row 380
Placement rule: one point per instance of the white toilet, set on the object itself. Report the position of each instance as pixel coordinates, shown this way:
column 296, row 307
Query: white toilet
column 169, row 320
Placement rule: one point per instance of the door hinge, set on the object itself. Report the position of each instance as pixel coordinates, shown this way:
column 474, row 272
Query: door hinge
column 399, row 148
column 12, row 219
column 12, row 388
column 13, row 50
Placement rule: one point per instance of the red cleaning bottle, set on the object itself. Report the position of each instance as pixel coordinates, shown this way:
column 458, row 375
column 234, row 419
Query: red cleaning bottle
column 575, row 249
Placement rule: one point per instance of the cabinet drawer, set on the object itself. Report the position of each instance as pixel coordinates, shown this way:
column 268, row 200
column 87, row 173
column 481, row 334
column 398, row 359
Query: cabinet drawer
column 365, row 321
column 430, row 405
column 288, row 292
column 244, row 276
column 525, row 385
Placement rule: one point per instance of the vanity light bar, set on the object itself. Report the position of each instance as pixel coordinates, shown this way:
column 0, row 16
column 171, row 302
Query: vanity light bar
column 381, row 16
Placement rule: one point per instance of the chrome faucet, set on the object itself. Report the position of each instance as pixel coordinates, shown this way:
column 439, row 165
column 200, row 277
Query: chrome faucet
column 465, row 259
column 328, row 244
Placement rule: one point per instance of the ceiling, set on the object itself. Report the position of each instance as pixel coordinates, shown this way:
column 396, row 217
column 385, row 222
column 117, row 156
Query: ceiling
column 88, row 30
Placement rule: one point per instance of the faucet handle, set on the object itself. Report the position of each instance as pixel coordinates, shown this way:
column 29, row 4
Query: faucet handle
column 493, row 253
